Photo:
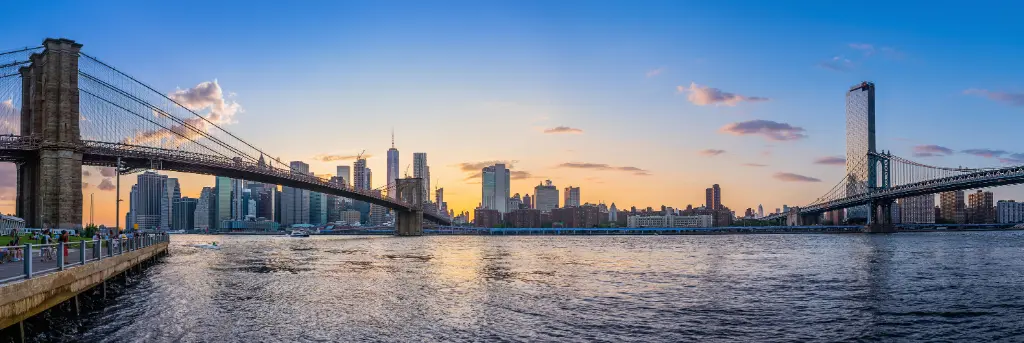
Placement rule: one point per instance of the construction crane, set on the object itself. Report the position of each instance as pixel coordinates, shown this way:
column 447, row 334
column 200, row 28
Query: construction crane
column 407, row 171
column 360, row 156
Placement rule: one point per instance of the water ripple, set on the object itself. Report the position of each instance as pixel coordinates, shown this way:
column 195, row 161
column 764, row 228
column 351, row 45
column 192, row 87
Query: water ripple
column 753, row 288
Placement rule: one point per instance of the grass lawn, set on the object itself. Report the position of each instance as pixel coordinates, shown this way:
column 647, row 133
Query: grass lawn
column 25, row 239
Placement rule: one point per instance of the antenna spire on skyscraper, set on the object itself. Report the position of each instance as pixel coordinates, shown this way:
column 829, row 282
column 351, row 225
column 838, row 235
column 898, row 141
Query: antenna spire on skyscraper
column 392, row 137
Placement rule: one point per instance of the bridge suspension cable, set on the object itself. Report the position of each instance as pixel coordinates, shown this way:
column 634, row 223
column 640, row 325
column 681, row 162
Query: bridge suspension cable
column 197, row 120
column 11, row 88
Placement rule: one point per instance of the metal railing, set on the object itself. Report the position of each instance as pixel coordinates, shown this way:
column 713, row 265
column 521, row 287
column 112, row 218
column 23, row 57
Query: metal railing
column 39, row 259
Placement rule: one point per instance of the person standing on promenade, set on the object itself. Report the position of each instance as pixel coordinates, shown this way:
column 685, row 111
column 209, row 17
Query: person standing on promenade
column 65, row 238
column 17, row 251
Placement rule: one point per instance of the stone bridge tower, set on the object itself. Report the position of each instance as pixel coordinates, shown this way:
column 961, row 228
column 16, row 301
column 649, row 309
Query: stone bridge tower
column 410, row 191
column 50, row 179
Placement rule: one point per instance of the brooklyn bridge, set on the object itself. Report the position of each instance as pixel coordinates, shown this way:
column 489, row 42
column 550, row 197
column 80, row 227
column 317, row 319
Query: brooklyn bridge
column 75, row 110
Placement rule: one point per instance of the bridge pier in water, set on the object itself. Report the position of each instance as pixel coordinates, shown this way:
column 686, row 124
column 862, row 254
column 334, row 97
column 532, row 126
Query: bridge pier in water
column 49, row 191
column 880, row 217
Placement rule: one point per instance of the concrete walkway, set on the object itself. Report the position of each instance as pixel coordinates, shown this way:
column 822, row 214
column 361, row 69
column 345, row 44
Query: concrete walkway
column 12, row 269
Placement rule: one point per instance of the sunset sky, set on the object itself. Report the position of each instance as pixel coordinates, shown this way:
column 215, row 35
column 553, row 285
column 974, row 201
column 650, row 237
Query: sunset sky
column 640, row 103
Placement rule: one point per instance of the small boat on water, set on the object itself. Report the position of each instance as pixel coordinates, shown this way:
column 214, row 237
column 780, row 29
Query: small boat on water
column 299, row 233
column 213, row 246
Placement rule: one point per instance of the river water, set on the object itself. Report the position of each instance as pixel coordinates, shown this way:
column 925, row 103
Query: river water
column 954, row 286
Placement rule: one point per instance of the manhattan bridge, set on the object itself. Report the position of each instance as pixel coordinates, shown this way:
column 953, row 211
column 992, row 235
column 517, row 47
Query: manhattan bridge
column 61, row 109
column 875, row 179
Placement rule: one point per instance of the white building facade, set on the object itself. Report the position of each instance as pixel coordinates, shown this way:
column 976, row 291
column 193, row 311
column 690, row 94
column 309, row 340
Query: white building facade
column 1009, row 212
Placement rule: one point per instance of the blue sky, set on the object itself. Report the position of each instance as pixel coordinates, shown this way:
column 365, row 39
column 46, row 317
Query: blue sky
column 475, row 81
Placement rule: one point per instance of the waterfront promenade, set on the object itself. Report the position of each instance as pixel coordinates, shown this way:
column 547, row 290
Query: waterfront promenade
column 52, row 282
column 11, row 269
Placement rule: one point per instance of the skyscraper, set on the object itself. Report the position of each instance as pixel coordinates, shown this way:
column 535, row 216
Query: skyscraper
column 496, row 188
column 204, row 209
column 527, row 201
column 295, row 201
column 173, row 193
column 150, row 202
column 860, row 141
column 421, row 170
column 951, row 206
column 345, row 172
column 223, row 186
column 359, row 174
column 713, row 197
column 439, row 201
column 369, row 178
column 238, row 205
column 317, row 208
column 184, row 214
column 133, row 196
column 572, row 196
column 760, row 211
column 392, row 168
column 545, row 196
column 265, row 196
column 248, row 204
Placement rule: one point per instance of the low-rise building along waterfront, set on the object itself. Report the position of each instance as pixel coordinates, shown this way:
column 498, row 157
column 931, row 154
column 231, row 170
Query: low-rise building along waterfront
column 1010, row 212
column 667, row 221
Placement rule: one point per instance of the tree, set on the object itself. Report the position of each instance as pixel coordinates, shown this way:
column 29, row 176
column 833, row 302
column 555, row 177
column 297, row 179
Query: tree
column 89, row 230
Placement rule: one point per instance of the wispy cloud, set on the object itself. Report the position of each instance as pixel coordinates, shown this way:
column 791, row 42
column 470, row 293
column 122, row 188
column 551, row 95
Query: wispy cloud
column 521, row 175
column 871, row 50
column 655, row 72
column 513, row 174
column 790, row 177
column 769, row 129
column 477, row 166
column 831, row 160
column 754, row 165
column 1012, row 99
column 1013, row 159
column 704, row 95
column 108, row 172
column 107, row 185
column 711, row 152
column 866, row 48
column 931, row 150
column 563, row 129
column 602, row 166
column 837, row 63
column 339, row 157
column 85, row 185
column 986, row 153
column 86, row 173
column 1003, row 156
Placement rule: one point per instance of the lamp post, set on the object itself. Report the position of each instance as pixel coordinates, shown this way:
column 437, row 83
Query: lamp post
column 117, row 196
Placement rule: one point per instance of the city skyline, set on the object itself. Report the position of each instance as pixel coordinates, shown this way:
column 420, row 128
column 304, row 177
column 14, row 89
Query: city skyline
column 767, row 144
